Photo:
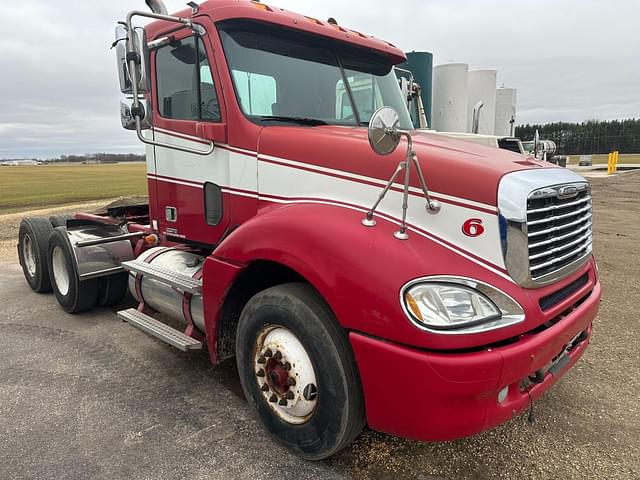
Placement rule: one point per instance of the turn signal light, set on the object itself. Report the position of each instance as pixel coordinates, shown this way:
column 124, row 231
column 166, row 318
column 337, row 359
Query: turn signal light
column 413, row 306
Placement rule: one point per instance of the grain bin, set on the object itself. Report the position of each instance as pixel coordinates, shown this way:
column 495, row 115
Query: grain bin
column 482, row 87
column 450, row 97
column 421, row 65
column 505, row 110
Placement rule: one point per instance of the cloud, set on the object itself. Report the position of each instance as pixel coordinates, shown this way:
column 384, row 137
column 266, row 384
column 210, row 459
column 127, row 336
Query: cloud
column 570, row 60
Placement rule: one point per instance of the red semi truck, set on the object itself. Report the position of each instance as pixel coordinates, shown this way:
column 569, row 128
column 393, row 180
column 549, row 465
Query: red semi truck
column 359, row 271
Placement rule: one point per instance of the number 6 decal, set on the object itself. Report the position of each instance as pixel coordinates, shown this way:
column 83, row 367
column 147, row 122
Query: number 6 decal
column 473, row 227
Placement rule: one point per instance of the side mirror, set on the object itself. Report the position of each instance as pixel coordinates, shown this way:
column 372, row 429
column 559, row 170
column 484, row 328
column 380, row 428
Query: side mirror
column 142, row 50
column 128, row 120
column 384, row 135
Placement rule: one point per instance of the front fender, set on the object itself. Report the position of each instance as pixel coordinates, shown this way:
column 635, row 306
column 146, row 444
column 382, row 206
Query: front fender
column 358, row 270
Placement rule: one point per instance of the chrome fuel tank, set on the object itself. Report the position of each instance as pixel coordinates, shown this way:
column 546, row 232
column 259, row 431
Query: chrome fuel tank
column 164, row 298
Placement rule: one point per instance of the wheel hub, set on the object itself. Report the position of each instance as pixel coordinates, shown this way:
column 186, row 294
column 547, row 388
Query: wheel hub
column 28, row 255
column 277, row 376
column 60, row 273
column 284, row 373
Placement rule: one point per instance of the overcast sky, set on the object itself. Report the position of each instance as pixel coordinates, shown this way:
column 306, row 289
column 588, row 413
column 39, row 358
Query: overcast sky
column 570, row 60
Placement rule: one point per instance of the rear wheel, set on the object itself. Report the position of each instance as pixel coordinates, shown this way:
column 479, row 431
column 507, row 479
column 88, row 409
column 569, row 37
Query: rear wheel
column 33, row 238
column 73, row 295
column 59, row 220
column 297, row 370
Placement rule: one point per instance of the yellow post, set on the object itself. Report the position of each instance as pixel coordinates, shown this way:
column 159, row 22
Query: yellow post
column 615, row 161
column 610, row 164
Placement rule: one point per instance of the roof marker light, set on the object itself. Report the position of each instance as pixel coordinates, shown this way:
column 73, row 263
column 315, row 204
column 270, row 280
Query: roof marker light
column 261, row 6
column 314, row 20
column 359, row 34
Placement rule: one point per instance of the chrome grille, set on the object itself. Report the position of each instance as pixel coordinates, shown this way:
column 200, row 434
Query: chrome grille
column 559, row 228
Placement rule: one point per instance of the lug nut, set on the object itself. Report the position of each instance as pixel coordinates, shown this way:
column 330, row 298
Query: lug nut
column 283, row 403
column 291, row 381
column 289, row 395
column 287, row 366
column 273, row 398
column 265, row 387
column 261, row 373
column 268, row 353
column 310, row 392
column 278, row 355
column 262, row 360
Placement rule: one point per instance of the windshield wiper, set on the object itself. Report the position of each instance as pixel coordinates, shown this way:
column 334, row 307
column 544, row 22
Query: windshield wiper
column 313, row 122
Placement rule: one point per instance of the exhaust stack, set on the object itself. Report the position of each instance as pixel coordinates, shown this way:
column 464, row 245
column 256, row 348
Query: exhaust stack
column 475, row 124
column 157, row 6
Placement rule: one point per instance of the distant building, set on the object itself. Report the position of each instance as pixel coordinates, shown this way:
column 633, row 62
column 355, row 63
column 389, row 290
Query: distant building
column 19, row 162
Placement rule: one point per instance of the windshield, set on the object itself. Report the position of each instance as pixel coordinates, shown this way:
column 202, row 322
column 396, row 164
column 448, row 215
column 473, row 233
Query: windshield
column 285, row 76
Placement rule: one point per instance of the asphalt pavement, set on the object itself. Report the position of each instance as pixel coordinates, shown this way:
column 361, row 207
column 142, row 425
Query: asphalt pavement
column 90, row 397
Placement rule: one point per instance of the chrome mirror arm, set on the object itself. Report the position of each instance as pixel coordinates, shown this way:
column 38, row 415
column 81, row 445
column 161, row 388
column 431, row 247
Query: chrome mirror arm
column 433, row 206
column 369, row 221
column 133, row 58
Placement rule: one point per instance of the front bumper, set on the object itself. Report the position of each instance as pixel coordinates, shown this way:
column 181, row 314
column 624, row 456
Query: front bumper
column 444, row 396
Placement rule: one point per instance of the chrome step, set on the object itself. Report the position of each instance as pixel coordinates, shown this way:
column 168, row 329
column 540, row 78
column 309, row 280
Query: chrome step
column 165, row 275
column 159, row 330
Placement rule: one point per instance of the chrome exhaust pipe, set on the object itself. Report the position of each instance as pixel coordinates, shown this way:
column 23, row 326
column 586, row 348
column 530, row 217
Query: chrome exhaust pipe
column 475, row 124
column 157, row 6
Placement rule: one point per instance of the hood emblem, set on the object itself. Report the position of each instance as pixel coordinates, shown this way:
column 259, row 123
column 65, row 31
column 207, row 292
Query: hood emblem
column 568, row 191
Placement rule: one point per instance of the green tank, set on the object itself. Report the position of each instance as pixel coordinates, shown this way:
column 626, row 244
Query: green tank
column 421, row 65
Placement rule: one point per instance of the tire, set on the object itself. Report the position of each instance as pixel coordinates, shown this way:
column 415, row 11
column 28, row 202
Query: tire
column 112, row 289
column 73, row 295
column 59, row 220
column 315, row 425
column 33, row 239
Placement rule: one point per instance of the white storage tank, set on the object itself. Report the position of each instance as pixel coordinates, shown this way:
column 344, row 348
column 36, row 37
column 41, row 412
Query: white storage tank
column 482, row 87
column 450, row 97
column 506, row 99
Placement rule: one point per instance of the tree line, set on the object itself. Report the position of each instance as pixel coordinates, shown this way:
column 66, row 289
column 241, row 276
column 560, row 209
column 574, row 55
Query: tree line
column 98, row 158
column 590, row 137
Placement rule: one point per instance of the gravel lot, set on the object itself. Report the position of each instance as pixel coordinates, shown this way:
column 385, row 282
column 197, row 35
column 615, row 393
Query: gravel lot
column 88, row 396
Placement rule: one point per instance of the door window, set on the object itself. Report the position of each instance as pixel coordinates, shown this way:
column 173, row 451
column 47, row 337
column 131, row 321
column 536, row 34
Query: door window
column 257, row 93
column 186, row 90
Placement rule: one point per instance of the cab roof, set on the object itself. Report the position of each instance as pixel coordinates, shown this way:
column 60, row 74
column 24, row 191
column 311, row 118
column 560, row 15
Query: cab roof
column 219, row 10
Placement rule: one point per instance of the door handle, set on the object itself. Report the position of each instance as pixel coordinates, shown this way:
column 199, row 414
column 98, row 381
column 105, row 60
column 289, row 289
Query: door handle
column 215, row 132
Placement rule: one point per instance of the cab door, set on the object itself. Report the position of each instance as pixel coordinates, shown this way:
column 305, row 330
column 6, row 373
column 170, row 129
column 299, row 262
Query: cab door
column 187, row 201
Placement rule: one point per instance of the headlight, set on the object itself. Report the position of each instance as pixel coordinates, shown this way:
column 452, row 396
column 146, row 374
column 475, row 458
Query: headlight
column 458, row 305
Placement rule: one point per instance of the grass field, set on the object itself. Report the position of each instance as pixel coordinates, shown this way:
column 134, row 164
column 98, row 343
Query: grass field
column 603, row 159
column 50, row 185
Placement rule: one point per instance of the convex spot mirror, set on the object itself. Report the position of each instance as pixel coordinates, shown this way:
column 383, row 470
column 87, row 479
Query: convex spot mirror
column 384, row 135
column 128, row 120
column 142, row 69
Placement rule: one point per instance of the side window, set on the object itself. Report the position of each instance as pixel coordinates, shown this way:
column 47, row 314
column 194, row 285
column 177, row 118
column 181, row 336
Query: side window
column 257, row 93
column 186, row 90
column 366, row 95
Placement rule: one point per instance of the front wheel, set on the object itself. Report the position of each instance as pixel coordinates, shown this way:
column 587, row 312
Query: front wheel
column 297, row 370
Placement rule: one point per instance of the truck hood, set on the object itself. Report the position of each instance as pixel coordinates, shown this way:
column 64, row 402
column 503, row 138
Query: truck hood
column 452, row 167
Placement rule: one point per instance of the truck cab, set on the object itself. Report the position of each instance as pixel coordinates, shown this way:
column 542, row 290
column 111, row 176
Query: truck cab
column 360, row 272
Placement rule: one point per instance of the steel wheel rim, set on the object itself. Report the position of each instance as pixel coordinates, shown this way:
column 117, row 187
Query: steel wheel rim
column 60, row 272
column 285, row 375
column 29, row 255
